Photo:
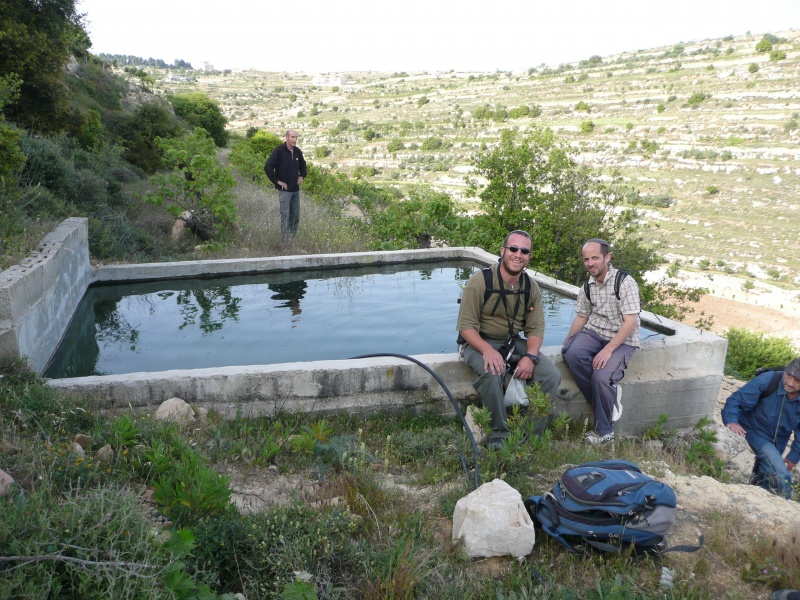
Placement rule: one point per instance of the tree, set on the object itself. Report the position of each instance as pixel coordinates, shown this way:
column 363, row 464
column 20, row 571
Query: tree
column 201, row 111
column 198, row 184
column 150, row 121
column 36, row 40
column 534, row 183
column 764, row 46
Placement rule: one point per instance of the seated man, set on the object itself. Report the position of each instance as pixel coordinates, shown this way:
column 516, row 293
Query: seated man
column 489, row 325
column 603, row 337
column 766, row 412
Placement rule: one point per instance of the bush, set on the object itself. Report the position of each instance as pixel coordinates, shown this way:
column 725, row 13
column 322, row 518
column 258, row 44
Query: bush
column 749, row 350
column 582, row 106
column 139, row 132
column 752, row 68
column 764, row 46
column 587, row 127
column 432, row 143
column 777, row 55
column 697, row 98
column 201, row 111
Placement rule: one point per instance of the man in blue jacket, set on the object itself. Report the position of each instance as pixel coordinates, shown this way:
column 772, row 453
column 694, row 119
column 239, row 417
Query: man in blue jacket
column 766, row 417
column 286, row 169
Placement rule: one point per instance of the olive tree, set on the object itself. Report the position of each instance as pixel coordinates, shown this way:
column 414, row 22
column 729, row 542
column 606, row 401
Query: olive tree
column 533, row 182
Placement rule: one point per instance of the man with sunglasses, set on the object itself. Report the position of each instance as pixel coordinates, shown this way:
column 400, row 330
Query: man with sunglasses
column 603, row 337
column 489, row 326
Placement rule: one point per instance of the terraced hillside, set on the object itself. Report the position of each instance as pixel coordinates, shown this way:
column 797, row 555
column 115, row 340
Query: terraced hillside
column 708, row 131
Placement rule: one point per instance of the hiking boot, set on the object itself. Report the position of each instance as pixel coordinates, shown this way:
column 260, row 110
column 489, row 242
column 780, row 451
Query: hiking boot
column 616, row 411
column 785, row 595
column 596, row 439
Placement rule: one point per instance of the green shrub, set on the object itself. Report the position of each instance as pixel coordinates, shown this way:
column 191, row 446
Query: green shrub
column 764, row 46
column 582, row 106
column 749, row 350
column 587, row 127
column 139, row 132
column 660, row 108
column 752, row 68
column 201, row 111
column 697, row 98
column 777, row 55
column 394, row 145
column 432, row 143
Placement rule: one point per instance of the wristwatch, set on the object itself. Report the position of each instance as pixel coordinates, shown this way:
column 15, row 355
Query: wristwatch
column 533, row 357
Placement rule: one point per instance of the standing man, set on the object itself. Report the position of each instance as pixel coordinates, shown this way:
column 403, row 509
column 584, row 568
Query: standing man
column 766, row 412
column 286, row 169
column 603, row 337
column 489, row 324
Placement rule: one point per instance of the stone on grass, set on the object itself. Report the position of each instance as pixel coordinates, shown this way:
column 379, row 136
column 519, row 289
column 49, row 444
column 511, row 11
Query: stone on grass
column 493, row 521
column 175, row 410
column 105, row 453
column 5, row 483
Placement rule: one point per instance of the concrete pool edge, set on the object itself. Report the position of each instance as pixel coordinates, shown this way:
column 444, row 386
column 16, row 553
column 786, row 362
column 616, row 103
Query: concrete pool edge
column 678, row 375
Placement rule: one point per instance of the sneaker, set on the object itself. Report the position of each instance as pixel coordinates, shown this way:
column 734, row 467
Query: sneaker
column 616, row 411
column 595, row 439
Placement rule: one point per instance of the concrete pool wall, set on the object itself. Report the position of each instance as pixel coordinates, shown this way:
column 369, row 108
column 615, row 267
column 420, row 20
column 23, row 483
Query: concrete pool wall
column 678, row 375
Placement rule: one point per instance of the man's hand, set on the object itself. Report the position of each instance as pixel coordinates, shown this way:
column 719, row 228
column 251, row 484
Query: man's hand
column 789, row 464
column 493, row 362
column 284, row 187
column 736, row 428
column 601, row 358
column 525, row 368
column 300, row 180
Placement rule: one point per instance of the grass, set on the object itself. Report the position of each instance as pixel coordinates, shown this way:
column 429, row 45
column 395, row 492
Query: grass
column 374, row 523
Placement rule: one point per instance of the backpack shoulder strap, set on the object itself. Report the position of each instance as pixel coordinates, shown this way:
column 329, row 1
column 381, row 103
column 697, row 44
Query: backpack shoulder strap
column 620, row 277
column 777, row 377
column 586, row 292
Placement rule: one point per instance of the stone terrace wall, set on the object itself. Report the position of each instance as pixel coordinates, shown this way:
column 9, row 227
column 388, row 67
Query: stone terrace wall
column 39, row 296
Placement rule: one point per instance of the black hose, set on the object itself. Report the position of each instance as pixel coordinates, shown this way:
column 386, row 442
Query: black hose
column 452, row 401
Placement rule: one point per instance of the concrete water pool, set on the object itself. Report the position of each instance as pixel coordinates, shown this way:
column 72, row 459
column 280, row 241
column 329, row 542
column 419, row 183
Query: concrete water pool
column 677, row 374
column 289, row 316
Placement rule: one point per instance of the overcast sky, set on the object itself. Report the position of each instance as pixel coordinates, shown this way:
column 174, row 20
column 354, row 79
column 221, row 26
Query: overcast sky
column 350, row 35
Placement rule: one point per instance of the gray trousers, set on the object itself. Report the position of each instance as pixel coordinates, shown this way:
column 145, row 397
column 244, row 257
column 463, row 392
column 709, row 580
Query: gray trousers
column 490, row 387
column 290, row 213
column 598, row 386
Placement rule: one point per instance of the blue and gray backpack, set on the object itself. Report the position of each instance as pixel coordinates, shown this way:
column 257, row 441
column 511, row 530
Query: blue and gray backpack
column 609, row 505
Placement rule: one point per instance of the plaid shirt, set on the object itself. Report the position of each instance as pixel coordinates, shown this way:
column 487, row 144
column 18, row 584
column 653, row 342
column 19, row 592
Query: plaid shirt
column 605, row 311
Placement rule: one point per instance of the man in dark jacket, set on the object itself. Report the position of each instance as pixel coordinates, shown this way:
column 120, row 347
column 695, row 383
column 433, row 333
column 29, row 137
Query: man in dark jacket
column 286, row 169
column 766, row 418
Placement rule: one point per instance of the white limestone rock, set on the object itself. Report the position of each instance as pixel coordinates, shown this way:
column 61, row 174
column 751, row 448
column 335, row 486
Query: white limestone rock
column 175, row 409
column 493, row 521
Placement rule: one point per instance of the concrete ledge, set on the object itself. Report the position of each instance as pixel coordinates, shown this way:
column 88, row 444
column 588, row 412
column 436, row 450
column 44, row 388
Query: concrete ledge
column 39, row 296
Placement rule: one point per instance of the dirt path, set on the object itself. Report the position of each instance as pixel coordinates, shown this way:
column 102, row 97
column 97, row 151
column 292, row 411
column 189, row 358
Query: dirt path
column 731, row 313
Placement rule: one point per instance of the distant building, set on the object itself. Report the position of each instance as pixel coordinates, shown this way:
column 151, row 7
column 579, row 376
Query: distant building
column 207, row 66
column 329, row 81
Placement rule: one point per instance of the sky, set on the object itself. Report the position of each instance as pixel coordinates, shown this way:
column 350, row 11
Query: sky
column 338, row 36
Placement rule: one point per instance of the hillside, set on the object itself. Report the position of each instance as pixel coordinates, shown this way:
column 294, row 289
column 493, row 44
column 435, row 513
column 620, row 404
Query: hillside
column 710, row 128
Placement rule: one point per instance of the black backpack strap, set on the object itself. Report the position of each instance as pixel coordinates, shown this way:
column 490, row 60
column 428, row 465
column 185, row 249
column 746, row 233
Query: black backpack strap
column 777, row 377
column 619, row 277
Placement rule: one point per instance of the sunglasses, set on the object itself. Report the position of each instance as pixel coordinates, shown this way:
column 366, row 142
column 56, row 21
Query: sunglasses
column 515, row 249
